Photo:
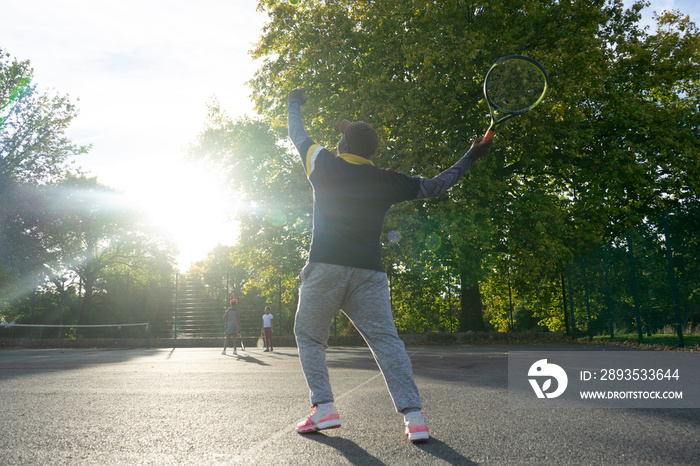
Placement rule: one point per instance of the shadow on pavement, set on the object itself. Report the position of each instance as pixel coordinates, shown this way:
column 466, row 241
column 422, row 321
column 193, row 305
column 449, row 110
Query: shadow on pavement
column 247, row 358
column 349, row 449
column 20, row 362
column 444, row 452
column 357, row 455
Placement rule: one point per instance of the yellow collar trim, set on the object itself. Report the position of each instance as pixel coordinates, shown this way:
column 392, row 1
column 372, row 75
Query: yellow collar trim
column 355, row 159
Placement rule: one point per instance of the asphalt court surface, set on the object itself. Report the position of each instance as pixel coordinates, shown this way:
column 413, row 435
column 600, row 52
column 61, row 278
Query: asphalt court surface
column 195, row 406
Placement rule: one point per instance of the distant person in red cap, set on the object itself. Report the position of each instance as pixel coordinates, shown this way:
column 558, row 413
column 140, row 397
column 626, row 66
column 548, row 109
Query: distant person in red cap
column 233, row 325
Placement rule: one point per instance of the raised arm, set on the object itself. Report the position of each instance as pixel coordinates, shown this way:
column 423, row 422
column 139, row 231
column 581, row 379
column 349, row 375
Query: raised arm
column 295, row 125
column 439, row 185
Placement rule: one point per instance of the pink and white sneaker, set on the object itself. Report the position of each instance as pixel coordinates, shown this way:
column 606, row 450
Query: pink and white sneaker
column 321, row 417
column 416, row 429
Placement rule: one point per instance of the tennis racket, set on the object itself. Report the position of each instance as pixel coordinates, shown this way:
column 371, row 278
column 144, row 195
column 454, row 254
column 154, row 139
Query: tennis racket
column 242, row 344
column 514, row 85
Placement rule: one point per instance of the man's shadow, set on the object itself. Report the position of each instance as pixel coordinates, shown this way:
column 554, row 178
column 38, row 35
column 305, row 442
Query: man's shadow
column 357, row 455
column 443, row 451
column 350, row 450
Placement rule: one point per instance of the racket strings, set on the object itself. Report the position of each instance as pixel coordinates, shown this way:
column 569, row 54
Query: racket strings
column 515, row 85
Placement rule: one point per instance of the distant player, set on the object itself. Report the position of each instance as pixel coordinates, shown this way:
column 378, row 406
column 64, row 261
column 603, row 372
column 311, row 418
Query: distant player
column 233, row 325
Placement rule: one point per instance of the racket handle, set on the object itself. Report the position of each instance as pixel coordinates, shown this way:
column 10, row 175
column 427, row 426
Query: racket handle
column 489, row 135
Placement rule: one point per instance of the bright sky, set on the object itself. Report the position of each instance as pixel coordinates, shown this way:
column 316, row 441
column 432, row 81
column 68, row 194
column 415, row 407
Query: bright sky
column 688, row 7
column 143, row 71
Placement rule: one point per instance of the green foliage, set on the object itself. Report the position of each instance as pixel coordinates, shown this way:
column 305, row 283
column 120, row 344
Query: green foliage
column 94, row 257
column 33, row 151
column 33, row 147
column 631, row 275
column 71, row 251
column 274, row 215
column 662, row 340
column 615, row 141
column 223, row 279
column 105, row 243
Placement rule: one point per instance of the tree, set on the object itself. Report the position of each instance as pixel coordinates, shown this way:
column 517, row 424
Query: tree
column 33, row 151
column 275, row 217
column 23, row 223
column 97, row 235
column 62, row 234
column 137, row 283
column 601, row 154
column 222, row 278
column 33, row 147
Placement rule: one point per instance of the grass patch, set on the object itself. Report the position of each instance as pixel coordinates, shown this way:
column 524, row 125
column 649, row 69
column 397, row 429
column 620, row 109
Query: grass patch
column 654, row 339
column 657, row 341
column 665, row 337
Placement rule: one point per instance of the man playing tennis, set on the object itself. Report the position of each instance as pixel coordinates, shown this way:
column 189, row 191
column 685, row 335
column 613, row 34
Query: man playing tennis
column 344, row 268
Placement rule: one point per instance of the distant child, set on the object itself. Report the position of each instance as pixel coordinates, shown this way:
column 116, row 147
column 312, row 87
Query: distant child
column 267, row 329
column 233, row 325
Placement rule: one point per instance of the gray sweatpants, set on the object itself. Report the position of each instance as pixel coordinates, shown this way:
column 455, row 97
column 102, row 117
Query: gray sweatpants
column 363, row 295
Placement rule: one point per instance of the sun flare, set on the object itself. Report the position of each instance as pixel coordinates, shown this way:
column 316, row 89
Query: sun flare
column 190, row 204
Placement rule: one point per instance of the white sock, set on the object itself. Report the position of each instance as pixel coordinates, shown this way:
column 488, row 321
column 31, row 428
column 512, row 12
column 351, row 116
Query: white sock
column 412, row 414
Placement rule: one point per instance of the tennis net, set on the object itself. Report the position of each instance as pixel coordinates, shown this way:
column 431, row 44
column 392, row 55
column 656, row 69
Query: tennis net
column 12, row 330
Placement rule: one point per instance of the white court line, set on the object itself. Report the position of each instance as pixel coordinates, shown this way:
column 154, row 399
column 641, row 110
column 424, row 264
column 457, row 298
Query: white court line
column 292, row 427
column 342, row 395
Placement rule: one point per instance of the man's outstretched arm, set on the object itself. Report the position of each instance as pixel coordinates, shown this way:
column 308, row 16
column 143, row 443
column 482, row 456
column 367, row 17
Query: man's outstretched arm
column 295, row 124
column 439, row 185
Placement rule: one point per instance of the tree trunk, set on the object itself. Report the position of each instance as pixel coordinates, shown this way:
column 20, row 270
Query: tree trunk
column 471, row 314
